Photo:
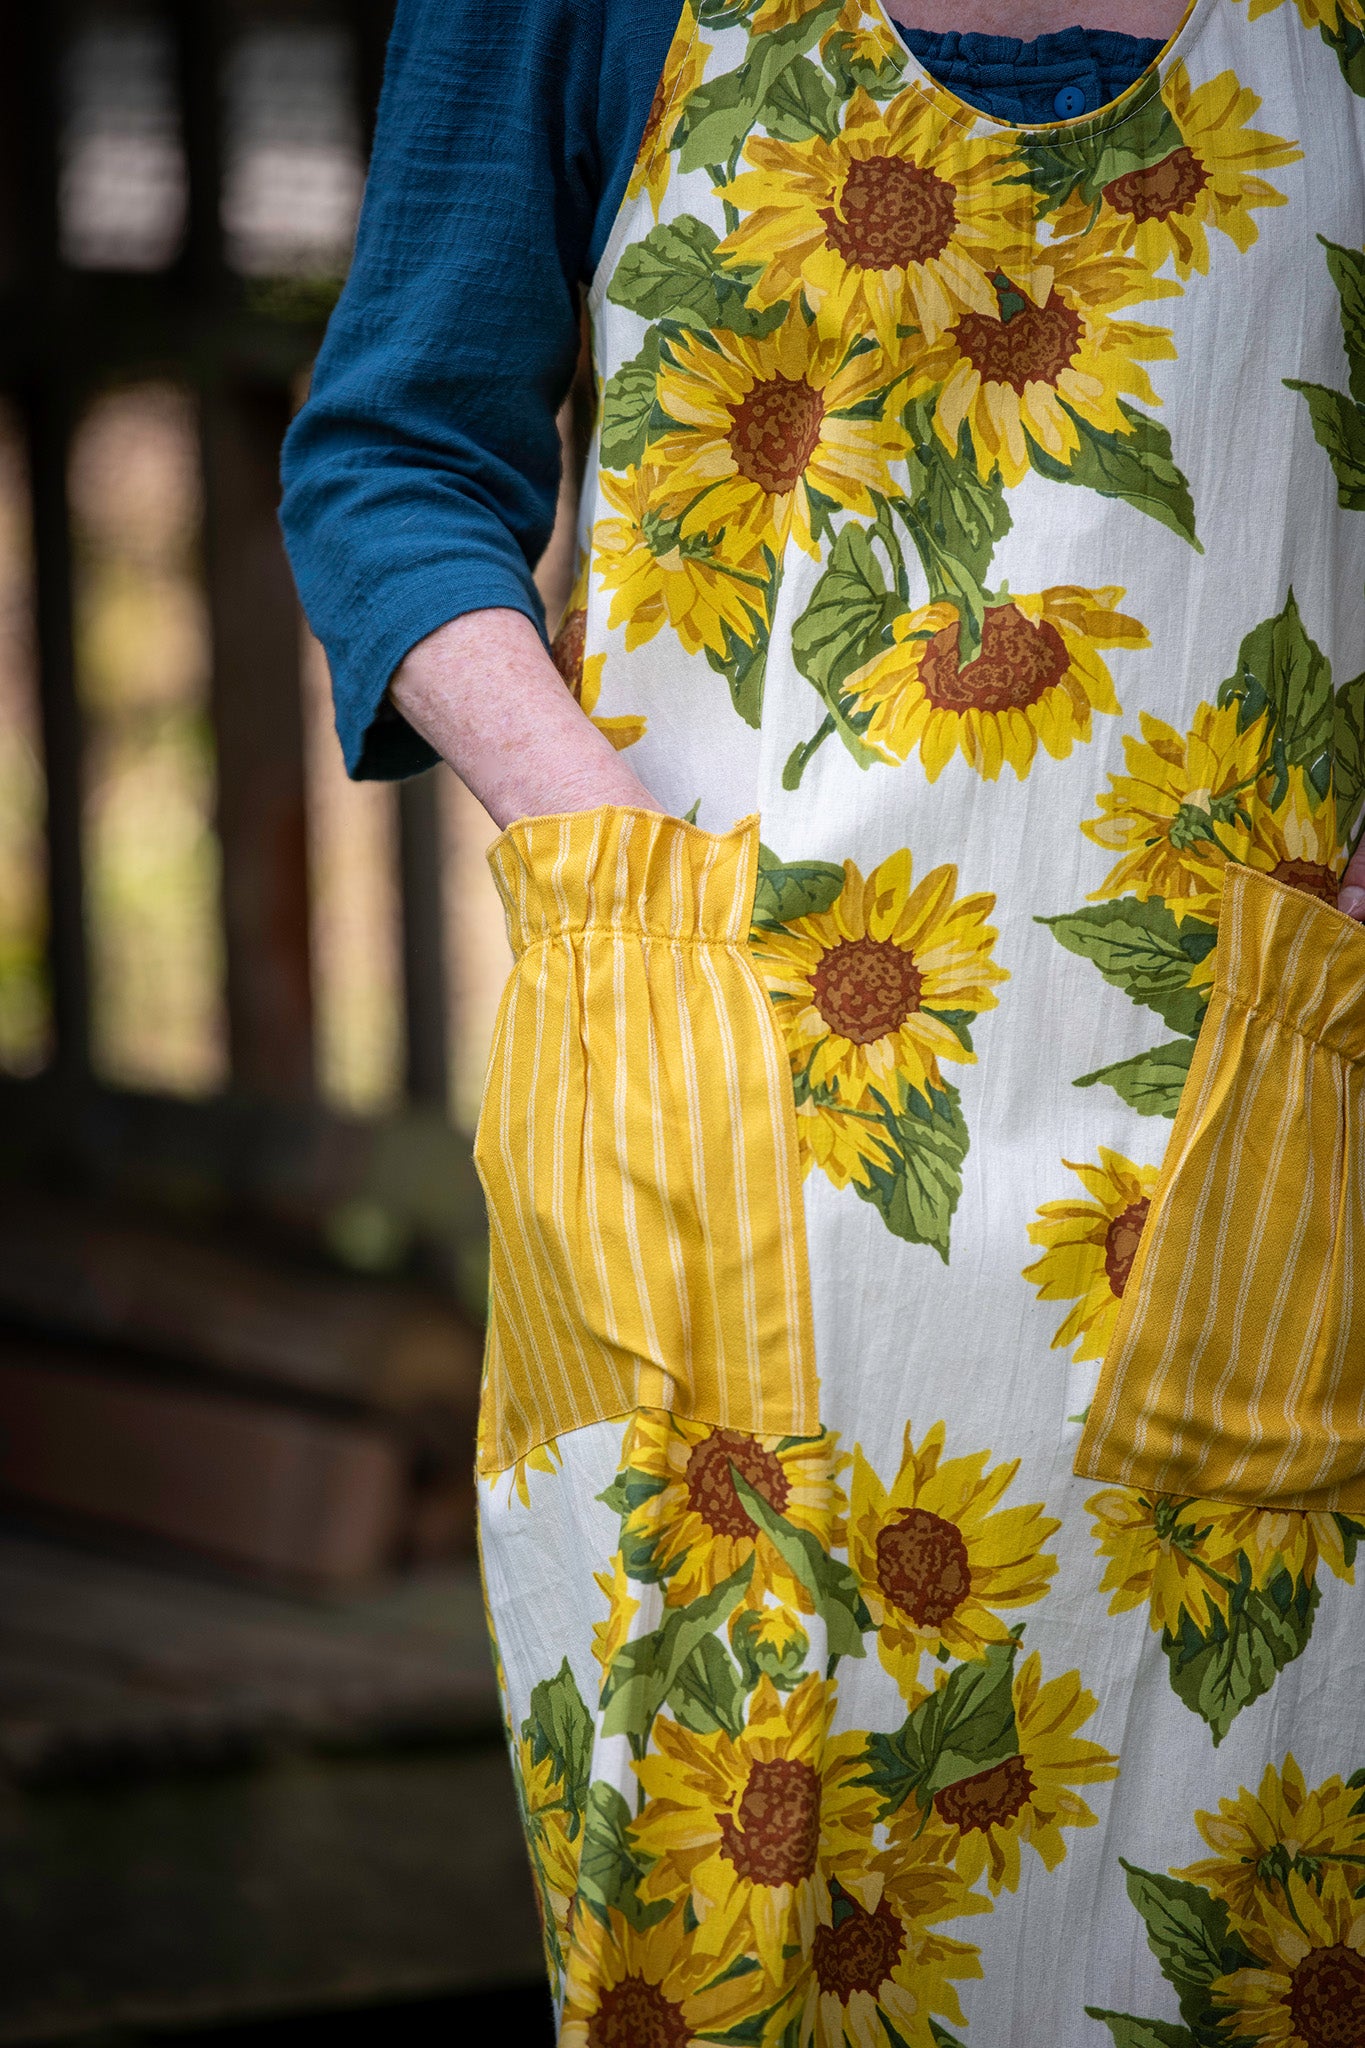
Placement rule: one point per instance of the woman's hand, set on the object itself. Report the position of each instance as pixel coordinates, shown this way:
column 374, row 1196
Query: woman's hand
column 486, row 695
column 1351, row 893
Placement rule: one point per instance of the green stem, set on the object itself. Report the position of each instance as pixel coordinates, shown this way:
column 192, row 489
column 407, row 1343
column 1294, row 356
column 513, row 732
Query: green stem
column 800, row 757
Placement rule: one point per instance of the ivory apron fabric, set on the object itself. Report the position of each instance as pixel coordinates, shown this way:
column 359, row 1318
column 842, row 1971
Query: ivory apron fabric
column 973, row 563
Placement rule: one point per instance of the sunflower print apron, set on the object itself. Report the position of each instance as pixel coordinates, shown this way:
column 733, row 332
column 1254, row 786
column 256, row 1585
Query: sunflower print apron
column 922, row 1459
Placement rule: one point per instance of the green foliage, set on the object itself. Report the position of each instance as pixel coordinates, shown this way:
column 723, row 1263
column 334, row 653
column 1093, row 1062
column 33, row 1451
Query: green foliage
column 627, row 406
column 628, row 1491
column 721, row 113
column 846, row 624
column 1130, row 2032
column 1348, row 42
column 954, row 521
column 559, row 1727
column 1191, row 1936
column 1085, row 162
column 1139, row 948
column 1338, row 418
column 918, row 1188
column 852, row 72
column 832, row 1586
column 963, row 1728
column 1222, row 1669
column 758, row 1659
column 804, row 102
column 708, row 1692
column 1136, row 465
column 1348, row 757
column 1282, row 672
column 643, row 1672
column 674, row 275
column 1150, row 1082
column 787, row 890
column 610, row 1868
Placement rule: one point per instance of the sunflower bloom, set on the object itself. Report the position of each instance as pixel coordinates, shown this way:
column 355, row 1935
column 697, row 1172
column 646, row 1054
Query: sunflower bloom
column 843, row 1144
column 545, row 1457
column 628, row 1985
column 1261, row 1839
column 1309, row 1988
column 764, row 421
column 1296, row 843
column 613, row 1634
column 659, row 579
column 753, row 1827
column 1182, row 811
column 857, row 987
column 554, row 1834
column 886, row 1963
column 901, row 218
column 1328, row 14
column 1090, row 1247
column 1036, row 681
column 1174, row 1556
column 1048, row 353
column 1210, row 181
column 696, row 1525
column 936, row 1557
column 684, row 69
column 979, row 1824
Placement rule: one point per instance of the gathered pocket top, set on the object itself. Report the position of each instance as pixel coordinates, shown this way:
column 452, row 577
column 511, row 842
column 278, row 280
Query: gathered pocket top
column 1237, row 1366
column 637, row 1142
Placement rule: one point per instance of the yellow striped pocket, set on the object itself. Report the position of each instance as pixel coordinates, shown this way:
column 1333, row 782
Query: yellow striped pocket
column 637, row 1142
column 1236, row 1370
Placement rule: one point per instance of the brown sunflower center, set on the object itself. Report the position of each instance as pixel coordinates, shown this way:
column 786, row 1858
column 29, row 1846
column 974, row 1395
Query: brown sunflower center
column 1031, row 345
column 1017, row 662
column 774, row 431
column 711, row 1491
column 865, row 988
column 775, row 1834
column 1327, row 1997
column 635, row 2014
column 891, row 214
column 568, row 648
column 923, row 1567
column 859, row 1952
column 990, row 1799
column 663, row 93
column 1309, row 875
column 1121, row 1243
column 1159, row 190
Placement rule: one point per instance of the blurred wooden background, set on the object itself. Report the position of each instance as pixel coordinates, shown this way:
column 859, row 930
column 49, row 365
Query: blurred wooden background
column 249, row 1752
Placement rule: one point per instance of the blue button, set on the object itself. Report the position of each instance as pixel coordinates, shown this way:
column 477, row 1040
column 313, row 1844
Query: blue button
column 1070, row 102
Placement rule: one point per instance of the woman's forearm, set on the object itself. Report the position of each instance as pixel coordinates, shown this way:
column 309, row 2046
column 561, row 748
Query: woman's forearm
column 486, row 695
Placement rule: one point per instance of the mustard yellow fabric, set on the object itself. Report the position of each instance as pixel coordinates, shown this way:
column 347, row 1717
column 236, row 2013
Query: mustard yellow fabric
column 637, row 1142
column 1237, row 1365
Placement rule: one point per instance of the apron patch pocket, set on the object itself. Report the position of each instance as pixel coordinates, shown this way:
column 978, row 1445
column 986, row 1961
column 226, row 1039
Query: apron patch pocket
column 637, row 1142
column 1236, row 1370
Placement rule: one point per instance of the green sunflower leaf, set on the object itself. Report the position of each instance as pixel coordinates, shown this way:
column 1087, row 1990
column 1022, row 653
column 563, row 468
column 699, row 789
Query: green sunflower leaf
column 610, row 1868
column 846, row 624
column 786, row 890
column 757, row 1659
column 963, row 1728
column 1348, row 42
column 643, row 1672
column 1191, row 1936
column 559, row 1727
column 672, row 272
column 919, row 1188
column 1085, row 163
column 1137, row 947
column 851, row 71
column 708, row 1693
column 1351, row 1533
column 1130, row 2032
column 627, row 403
column 720, row 114
column 1136, row 465
column 1282, row 672
column 804, row 102
column 832, row 1586
column 942, row 2038
column 1339, row 427
column 954, row 521
column 1218, row 1671
column 1347, row 267
column 1150, row 1082
column 1348, row 756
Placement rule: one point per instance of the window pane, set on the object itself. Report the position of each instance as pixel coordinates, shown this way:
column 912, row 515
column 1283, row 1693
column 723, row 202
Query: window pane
column 122, row 165
column 293, row 167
